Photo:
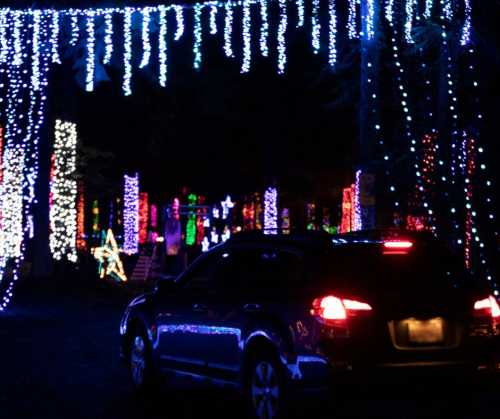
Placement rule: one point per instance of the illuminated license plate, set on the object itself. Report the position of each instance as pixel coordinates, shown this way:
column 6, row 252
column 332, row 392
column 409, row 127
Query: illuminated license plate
column 425, row 331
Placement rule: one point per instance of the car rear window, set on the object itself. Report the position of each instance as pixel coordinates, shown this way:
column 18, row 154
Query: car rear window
column 367, row 265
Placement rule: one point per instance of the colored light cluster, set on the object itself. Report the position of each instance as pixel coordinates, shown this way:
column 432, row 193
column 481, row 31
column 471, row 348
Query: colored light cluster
column 143, row 217
column 346, row 221
column 131, row 214
column 356, row 203
column 64, row 193
column 271, row 211
column 191, row 222
column 81, row 244
column 108, row 256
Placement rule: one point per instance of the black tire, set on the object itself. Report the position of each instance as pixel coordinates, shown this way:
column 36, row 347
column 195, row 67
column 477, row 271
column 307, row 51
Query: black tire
column 266, row 387
column 142, row 373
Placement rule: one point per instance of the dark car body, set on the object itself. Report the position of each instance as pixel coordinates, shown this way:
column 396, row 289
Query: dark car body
column 257, row 291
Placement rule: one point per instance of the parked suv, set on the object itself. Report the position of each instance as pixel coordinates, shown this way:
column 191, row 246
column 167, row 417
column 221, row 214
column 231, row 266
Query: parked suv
column 273, row 314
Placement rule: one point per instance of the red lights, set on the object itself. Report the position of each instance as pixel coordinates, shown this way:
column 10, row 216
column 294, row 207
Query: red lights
column 398, row 244
column 489, row 305
column 334, row 308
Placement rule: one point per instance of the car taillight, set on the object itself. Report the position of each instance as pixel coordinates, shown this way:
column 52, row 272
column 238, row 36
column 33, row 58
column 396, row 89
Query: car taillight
column 398, row 244
column 488, row 306
column 335, row 308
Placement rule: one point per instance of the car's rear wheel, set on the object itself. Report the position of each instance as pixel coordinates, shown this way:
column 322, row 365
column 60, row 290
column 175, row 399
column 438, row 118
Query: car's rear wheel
column 141, row 367
column 266, row 388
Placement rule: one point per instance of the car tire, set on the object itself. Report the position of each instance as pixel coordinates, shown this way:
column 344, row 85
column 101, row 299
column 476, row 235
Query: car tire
column 266, row 387
column 142, row 373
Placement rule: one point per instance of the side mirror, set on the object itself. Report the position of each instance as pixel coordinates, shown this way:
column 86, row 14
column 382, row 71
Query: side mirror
column 165, row 285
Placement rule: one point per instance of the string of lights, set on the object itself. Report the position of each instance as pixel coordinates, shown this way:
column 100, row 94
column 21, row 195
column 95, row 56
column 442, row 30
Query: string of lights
column 108, row 37
column 281, row 37
column 146, row 43
column 131, row 214
column 228, row 30
column 264, row 28
column 300, row 13
column 63, row 211
column 89, row 78
column 162, row 47
column 197, row 36
column 247, row 47
column 127, row 54
column 352, row 26
column 213, row 19
column 271, row 211
column 332, row 45
column 315, row 26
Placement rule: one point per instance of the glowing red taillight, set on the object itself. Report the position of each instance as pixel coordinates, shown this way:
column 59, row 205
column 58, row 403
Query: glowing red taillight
column 334, row 308
column 488, row 305
column 398, row 244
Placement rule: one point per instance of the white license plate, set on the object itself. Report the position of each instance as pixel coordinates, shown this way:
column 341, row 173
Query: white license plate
column 425, row 331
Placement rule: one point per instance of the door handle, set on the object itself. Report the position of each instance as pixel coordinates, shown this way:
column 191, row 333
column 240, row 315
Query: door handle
column 252, row 307
column 200, row 307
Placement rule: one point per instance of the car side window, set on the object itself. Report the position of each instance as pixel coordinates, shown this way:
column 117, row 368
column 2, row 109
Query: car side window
column 200, row 278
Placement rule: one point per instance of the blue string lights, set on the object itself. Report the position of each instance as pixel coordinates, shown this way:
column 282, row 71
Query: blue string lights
column 264, row 28
column 197, row 36
column 332, row 34
column 271, row 211
column 162, row 46
column 352, row 26
column 146, row 43
column 131, row 214
column 281, row 37
column 300, row 13
column 108, row 37
column 55, row 38
column 315, row 26
column 179, row 17
column 247, row 47
column 213, row 19
column 90, row 59
column 228, row 30
column 127, row 51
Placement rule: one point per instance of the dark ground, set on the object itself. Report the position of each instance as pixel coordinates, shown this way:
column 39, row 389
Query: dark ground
column 59, row 360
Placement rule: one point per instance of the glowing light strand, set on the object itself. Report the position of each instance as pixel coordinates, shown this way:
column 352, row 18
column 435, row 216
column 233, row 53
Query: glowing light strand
column 4, row 43
column 108, row 37
column 315, row 26
column 466, row 29
column 213, row 19
column 197, row 36
column 131, row 214
column 179, row 17
column 428, row 8
column 247, row 48
column 271, row 211
column 300, row 13
column 54, row 41
column 332, row 34
column 146, row 44
column 352, row 27
column 162, row 46
column 127, row 51
column 370, row 19
column 282, row 58
column 75, row 29
column 35, row 66
column 409, row 21
column 264, row 28
column 63, row 212
column 90, row 59
column 228, row 29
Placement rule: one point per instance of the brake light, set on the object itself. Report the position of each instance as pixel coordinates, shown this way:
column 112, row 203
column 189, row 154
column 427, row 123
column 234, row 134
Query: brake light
column 334, row 308
column 490, row 305
column 398, row 244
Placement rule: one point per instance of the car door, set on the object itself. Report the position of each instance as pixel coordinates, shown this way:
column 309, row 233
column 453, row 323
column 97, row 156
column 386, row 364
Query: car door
column 181, row 319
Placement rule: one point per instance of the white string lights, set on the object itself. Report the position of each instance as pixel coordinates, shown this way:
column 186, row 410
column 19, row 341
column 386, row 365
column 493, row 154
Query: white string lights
column 429, row 4
column 35, row 66
column 264, row 28
column 466, row 29
column 228, row 29
column 131, row 214
column 127, row 51
column 332, row 34
column 389, row 10
column 213, row 19
column 370, row 19
column 162, row 46
column 63, row 212
column 54, row 42
column 315, row 26
column 89, row 77
column 179, row 17
column 108, row 37
column 4, row 43
column 271, row 211
column 247, row 47
column 300, row 13
column 146, row 44
column 75, row 29
column 281, row 37
column 352, row 26
column 409, row 21
column 197, row 36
